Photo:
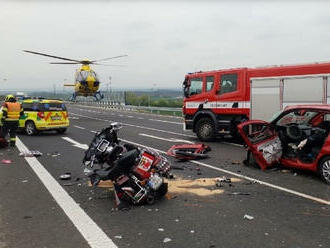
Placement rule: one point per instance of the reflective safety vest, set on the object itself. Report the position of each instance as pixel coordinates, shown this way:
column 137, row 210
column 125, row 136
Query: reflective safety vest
column 13, row 111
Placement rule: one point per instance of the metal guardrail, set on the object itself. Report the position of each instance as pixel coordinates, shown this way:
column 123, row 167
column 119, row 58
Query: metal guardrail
column 118, row 105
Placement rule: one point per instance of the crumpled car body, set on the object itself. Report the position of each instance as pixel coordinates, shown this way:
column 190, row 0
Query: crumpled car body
column 297, row 137
column 189, row 151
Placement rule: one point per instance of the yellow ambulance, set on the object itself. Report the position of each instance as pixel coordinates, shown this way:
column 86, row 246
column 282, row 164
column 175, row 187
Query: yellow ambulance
column 43, row 114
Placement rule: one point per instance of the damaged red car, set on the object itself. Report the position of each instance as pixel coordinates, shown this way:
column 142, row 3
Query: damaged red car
column 297, row 137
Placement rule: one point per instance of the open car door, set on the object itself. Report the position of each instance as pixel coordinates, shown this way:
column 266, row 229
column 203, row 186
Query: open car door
column 263, row 142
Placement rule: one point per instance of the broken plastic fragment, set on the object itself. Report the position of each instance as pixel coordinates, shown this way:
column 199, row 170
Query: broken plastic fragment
column 118, row 237
column 6, row 161
column 167, row 240
column 248, row 217
column 65, row 176
column 161, row 229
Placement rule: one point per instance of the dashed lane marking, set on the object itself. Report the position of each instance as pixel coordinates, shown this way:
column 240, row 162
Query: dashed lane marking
column 91, row 232
column 79, row 127
column 171, row 122
column 170, row 140
column 131, row 125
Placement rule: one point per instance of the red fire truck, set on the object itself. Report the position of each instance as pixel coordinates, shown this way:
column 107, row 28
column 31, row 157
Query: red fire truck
column 216, row 101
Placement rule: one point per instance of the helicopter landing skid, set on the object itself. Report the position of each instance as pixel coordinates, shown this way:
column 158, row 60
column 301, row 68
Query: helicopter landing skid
column 98, row 96
column 73, row 97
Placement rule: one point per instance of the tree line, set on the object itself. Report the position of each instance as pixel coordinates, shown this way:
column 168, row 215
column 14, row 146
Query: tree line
column 146, row 100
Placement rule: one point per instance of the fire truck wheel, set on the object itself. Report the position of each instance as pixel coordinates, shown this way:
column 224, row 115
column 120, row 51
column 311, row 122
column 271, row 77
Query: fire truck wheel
column 205, row 129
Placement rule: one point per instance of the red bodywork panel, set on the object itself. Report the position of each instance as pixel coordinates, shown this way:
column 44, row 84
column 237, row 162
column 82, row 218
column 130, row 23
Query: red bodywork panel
column 188, row 151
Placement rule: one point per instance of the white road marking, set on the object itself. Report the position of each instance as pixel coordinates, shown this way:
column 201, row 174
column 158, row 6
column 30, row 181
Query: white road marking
column 140, row 118
column 172, row 122
column 129, row 116
column 130, row 125
column 170, row 140
column 79, row 127
column 91, row 232
column 75, row 143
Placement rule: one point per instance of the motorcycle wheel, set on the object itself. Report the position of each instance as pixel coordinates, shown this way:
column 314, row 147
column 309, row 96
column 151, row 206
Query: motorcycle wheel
column 150, row 199
column 162, row 190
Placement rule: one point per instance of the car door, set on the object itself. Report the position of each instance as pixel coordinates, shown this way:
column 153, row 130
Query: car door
column 262, row 141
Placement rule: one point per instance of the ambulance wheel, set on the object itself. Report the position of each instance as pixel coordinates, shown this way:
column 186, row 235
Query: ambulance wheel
column 205, row 129
column 61, row 130
column 324, row 169
column 30, row 128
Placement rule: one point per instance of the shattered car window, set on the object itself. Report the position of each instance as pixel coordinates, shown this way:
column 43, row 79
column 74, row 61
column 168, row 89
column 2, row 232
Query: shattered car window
column 258, row 132
column 297, row 117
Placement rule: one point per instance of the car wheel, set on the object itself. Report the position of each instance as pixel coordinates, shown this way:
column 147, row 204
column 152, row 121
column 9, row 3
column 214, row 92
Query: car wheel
column 61, row 130
column 205, row 129
column 30, row 128
column 324, row 169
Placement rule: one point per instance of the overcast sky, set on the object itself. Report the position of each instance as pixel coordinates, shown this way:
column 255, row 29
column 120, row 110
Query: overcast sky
column 164, row 39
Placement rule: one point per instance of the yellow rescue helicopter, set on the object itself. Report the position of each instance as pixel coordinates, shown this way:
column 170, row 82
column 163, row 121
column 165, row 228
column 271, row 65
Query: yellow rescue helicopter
column 86, row 80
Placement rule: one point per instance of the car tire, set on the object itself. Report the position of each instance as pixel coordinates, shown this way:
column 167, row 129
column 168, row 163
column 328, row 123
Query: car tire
column 205, row 129
column 324, row 169
column 30, row 128
column 61, row 130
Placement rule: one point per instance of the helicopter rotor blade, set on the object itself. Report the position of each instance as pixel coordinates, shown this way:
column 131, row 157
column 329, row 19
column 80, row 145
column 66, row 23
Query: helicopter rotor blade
column 64, row 63
column 108, row 65
column 52, row 56
column 120, row 56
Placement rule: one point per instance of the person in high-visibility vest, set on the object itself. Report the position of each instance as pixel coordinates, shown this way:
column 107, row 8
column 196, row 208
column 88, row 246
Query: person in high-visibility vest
column 11, row 111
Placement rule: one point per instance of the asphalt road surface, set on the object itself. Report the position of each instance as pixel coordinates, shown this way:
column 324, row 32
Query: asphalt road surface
column 282, row 208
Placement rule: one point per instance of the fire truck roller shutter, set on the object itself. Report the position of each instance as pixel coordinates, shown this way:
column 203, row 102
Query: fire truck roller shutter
column 265, row 98
column 303, row 90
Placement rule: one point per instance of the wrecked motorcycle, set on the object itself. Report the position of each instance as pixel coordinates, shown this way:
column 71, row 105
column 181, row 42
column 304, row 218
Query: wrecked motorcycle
column 137, row 173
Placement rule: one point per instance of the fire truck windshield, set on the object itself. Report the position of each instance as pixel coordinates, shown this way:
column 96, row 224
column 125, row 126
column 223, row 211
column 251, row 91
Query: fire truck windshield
column 192, row 87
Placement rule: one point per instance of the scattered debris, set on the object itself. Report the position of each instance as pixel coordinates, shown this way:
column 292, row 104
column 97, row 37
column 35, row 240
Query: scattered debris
column 167, row 240
column 24, row 181
column 189, row 151
column 192, row 231
column 239, row 193
column 177, row 220
column 295, row 174
column 54, row 154
column 285, row 171
column 235, row 162
column 118, row 237
column 176, row 168
column 30, row 154
column 6, row 161
column 248, row 217
column 161, row 229
column 65, row 176
column 27, row 217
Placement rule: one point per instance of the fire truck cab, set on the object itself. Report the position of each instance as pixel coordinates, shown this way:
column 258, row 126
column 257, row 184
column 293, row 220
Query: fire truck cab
column 215, row 102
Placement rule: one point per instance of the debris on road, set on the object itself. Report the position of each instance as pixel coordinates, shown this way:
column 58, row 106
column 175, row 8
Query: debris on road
column 30, row 154
column 167, row 240
column 239, row 193
column 235, row 162
column 24, row 181
column 118, row 237
column 6, row 161
column 248, row 217
column 65, row 176
column 161, row 229
column 176, row 168
column 54, row 154
column 189, row 151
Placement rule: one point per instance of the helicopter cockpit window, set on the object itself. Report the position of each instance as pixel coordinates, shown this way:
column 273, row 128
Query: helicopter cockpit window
column 84, row 75
column 93, row 74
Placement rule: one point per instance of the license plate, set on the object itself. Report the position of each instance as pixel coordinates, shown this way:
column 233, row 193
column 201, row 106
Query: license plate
column 55, row 118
